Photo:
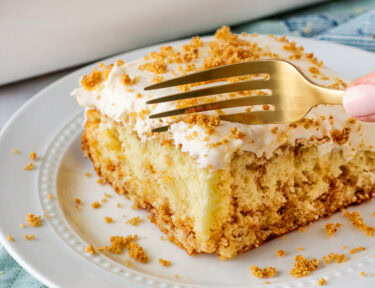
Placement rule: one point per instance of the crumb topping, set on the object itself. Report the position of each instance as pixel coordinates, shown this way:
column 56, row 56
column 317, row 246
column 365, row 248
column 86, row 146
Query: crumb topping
column 101, row 181
column 10, row 238
column 33, row 220
column 266, row 272
column 303, row 266
column 204, row 121
column 280, row 253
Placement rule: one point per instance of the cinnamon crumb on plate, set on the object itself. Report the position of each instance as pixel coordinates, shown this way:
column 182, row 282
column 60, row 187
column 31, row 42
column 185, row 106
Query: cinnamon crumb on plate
column 95, row 205
column 280, row 253
column 49, row 196
column 331, row 228
column 10, row 238
column 108, row 219
column 33, row 156
column 358, row 222
column 29, row 237
column 134, row 221
column 101, row 181
column 87, row 174
column 29, row 167
column 15, row 151
column 267, row 272
column 165, row 263
column 33, row 220
column 22, row 225
column 357, row 250
column 90, row 249
column 136, row 252
column 129, row 263
column 303, row 266
column 335, row 258
column 322, row 281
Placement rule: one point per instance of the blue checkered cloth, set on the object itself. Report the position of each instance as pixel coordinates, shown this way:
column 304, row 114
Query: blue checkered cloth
column 349, row 22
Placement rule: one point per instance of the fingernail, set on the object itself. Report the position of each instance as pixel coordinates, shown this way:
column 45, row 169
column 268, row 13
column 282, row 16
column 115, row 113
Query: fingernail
column 359, row 100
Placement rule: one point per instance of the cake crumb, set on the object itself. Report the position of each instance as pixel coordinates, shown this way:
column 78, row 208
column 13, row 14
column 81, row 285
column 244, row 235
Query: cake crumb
column 176, row 276
column 345, row 247
column 300, row 249
column 33, row 220
column 15, row 151
column 29, row 167
column 90, row 249
column 77, row 201
column 129, row 263
column 49, row 196
column 280, row 253
column 108, row 219
column 322, row 281
column 107, row 195
column 95, row 205
column 103, row 200
column 29, row 237
column 331, row 228
column 363, row 274
column 303, row 266
column 88, row 174
column 165, row 263
column 101, row 181
column 22, row 225
column 268, row 282
column 33, row 156
column 301, row 229
column 357, row 250
column 335, row 258
column 162, row 237
column 358, row 222
column 134, row 221
column 283, row 237
column 136, row 252
column 10, row 238
column 118, row 205
column 267, row 272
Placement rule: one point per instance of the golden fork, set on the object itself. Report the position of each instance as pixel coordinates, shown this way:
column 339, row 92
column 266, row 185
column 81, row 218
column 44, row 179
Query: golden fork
column 292, row 93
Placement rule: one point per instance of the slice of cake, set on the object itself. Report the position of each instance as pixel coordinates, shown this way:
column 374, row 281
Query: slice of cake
column 214, row 186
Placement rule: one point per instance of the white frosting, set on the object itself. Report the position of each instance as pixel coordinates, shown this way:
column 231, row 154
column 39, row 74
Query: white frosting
column 115, row 101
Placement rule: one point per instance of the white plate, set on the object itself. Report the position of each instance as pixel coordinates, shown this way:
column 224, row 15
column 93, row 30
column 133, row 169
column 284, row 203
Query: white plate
column 50, row 123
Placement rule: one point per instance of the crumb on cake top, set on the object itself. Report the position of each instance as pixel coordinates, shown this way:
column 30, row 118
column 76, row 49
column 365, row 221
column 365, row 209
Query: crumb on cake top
column 116, row 90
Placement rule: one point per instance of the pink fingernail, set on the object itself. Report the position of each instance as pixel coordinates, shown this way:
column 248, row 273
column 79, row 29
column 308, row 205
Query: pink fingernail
column 359, row 100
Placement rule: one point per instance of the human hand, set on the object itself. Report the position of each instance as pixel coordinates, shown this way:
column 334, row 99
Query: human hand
column 359, row 98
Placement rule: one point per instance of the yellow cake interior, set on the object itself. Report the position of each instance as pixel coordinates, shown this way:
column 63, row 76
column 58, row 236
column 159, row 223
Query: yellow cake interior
column 229, row 210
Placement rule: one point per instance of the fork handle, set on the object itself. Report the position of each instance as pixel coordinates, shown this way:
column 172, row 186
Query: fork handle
column 359, row 98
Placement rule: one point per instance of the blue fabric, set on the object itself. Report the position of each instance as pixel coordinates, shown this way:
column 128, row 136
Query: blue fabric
column 349, row 22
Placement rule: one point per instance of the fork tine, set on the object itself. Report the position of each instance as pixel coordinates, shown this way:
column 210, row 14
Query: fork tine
column 237, row 102
column 257, row 117
column 219, row 89
column 233, row 70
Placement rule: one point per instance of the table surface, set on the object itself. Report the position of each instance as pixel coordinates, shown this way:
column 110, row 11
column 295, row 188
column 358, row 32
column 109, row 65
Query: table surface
column 13, row 96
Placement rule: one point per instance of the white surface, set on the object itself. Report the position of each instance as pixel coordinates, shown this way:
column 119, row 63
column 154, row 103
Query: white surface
column 40, row 36
column 49, row 125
